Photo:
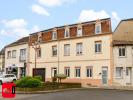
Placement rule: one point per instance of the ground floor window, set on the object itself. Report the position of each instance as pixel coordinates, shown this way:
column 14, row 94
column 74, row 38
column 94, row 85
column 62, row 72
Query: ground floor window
column 89, row 71
column 77, row 72
column 67, row 71
column 54, row 72
column 119, row 72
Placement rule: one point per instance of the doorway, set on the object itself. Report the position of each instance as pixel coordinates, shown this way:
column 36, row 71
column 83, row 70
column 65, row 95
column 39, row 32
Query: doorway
column 128, row 75
column 104, row 75
column 39, row 72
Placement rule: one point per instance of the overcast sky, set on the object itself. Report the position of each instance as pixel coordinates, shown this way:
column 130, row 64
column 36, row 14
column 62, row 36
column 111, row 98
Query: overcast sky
column 19, row 18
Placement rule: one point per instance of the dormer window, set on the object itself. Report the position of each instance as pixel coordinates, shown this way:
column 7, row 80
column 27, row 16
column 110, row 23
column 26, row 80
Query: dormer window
column 67, row 33
column 39, row 37
column 98, row 29
column 79, row 30
column 54, row 35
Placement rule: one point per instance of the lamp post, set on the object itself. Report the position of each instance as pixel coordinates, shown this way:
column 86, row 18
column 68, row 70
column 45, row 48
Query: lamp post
column 35, row 46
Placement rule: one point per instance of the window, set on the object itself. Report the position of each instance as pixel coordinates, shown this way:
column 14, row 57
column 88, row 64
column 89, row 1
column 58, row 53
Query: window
column 119, row 72
column 14, row 54
column 8, row 54
column 79, row 31
column 77, row 72
column 98, row 47
column 122, row 51
column 54, row 50
column 98, row 28
column 54, row 35
column 67, row 49
column 39, row 52
column 39, row 37
column 22, row 54
column 67, row 71
column 54, row 72
column 79, row 48
column 67, row 34
column 89, row 71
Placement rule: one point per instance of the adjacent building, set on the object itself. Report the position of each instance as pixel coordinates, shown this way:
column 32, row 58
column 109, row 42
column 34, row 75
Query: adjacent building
column 2, row 60
column 16, row 55
column 123, row 53
column 82, row 51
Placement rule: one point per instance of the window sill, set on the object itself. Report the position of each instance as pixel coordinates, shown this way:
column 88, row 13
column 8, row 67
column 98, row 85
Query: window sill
column 54, row 56
column 118, row 77
column 89, row 77
column 122, row 56
column 77, row 77
column 79, row 54
column 38, row 57
column 66, row 55
column 98, row 52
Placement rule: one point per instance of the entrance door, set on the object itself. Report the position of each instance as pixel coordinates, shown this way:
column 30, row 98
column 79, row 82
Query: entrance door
column 128, row 75
column 39, row 72
column 104, row 75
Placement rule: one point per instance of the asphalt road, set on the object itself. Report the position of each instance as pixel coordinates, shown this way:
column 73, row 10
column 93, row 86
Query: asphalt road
column 89, row 94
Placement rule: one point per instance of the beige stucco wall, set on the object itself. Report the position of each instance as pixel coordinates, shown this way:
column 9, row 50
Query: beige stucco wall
column 124, row 62
column 1, row 61
column 89, row 57
column 11, row 61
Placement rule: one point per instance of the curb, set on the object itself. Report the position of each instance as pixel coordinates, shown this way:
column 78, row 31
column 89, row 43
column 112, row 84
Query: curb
column 50, row 91
column 71, row 89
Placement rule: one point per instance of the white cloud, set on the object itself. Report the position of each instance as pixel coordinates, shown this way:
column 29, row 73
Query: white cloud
column 39, row 10
column 89, row 15
column 14, row 23
column 52, row 3
column 17, row 28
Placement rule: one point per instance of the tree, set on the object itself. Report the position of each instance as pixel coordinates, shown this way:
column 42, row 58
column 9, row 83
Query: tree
column 61, row 76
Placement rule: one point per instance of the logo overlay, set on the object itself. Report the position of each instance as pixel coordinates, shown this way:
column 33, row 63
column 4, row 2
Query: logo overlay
column 8, row 90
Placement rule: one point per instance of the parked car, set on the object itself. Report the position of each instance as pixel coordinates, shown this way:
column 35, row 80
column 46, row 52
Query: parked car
column 7, row 78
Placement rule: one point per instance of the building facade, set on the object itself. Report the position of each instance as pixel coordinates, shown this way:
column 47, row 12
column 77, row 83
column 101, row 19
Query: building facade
column 82, row 51
column 2, row 60
column 123, row 53
column 16, row 55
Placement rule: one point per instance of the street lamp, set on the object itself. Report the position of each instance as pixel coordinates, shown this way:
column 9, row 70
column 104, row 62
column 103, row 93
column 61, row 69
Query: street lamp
column 35, row 46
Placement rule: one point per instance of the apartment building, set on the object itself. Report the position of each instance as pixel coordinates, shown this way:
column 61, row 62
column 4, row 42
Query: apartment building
column 2, row 60
column 16, row 55
column 82, row 51
column 123, row 53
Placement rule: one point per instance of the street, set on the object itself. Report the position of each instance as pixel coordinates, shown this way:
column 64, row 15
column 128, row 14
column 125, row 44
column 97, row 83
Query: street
column 86, row 94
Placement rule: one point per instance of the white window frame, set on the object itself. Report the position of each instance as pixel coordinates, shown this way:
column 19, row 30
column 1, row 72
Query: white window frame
column 14, row 53
column 79, row 31
column 79, row 48
column 98, row 46
column 66, row 49
column 54, row 72
column 89, row 71
column 23, row 54
column 67, row 71
column 67, row 32
column 78, row 72
column 39, row 53
column 120, row 51
column 98, row 28
column 8, row 54
column 54, row 49
column 39, row 37
column 54, row 35
column 119, row 72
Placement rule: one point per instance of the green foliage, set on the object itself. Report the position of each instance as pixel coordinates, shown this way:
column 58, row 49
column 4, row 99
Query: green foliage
column 28, row 82
column 38, row 77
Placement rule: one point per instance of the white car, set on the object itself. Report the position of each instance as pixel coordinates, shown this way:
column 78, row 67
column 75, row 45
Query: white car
column 7, row 78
